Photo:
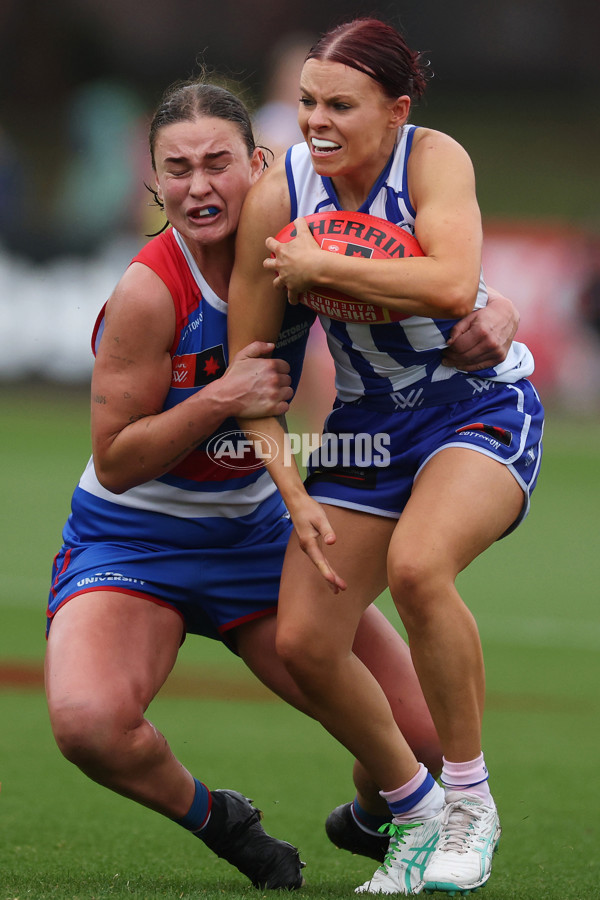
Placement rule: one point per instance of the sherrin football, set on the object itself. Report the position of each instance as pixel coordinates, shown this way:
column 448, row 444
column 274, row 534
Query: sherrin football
column 354, row 234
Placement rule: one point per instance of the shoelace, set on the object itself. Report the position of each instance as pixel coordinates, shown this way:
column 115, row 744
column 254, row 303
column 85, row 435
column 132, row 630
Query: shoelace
column 457, row 831
column 396, row 834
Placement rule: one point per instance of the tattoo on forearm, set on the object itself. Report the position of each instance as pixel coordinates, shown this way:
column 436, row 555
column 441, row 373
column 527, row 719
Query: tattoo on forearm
column 100, row 398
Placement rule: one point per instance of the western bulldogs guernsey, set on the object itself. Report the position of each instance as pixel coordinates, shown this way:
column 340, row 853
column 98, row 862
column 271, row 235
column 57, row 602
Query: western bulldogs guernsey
column 201, row 486
column 205, row 539
column 398, row 364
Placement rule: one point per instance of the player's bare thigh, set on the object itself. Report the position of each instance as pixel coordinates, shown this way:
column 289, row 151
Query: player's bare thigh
column 461, row 503
column 116, row 648
column 306, row 602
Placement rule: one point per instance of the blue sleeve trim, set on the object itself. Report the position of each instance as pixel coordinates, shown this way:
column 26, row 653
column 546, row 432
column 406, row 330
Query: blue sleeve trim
column 409, row 143
column 291, row 186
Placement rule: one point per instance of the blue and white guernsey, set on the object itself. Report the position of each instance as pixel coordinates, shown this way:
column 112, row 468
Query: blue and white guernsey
column 395, row 364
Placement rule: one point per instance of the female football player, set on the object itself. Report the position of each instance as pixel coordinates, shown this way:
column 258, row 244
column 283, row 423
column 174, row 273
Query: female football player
column 464, row 459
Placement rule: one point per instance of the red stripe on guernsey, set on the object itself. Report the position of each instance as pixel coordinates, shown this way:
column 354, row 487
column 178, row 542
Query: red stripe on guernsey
column 199, row 466
column 163, row 256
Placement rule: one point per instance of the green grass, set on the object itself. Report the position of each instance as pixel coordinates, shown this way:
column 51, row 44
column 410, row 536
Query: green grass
column 535, row 596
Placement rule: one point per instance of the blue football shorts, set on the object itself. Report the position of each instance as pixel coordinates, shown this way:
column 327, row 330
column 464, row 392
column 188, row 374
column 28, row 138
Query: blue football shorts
column 215, row 583
column 369, row 458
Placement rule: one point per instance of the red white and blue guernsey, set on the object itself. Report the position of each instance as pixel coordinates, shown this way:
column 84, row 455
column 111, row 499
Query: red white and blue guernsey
column 390, row 378
column 208, row 537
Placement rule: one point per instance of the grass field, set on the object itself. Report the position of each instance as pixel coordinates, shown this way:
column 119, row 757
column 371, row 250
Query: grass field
column 535, row 596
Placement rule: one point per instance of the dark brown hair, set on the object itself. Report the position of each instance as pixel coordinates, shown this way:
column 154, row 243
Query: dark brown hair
column 185, row 101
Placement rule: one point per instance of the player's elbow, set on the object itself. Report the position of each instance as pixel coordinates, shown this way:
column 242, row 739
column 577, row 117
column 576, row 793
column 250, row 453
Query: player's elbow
column 459, row 297
column 110, row 479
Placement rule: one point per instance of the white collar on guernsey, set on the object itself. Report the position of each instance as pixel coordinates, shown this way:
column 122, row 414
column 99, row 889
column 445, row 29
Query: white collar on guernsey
column 207, row 292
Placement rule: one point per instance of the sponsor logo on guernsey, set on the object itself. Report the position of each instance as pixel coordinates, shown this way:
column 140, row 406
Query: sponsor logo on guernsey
column 101, row 577
column 491, row 433
column 197, row 369
column 480, row 385
column 407, row 401
column 291, row 334
column 193, row 324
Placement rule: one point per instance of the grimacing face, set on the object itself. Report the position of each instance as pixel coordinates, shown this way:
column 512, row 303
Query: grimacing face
column 203, row 173
column 346, row 119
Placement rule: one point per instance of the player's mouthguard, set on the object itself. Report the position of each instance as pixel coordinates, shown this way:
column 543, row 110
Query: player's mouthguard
column 321, row 144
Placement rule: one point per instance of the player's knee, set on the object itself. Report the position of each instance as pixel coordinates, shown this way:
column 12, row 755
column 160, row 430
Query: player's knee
column 88, row 734
column 416, row 582
column 302, row 654
column 408, row 578
column 289, row 647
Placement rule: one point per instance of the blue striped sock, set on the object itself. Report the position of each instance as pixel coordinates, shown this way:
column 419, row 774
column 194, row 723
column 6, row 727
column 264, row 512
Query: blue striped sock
column 400, row 807
column 367, row 821
column 197, row 816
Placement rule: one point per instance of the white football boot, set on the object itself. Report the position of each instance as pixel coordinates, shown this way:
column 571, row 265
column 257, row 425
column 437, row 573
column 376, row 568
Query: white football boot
column 468, row 837
column 411, row 847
